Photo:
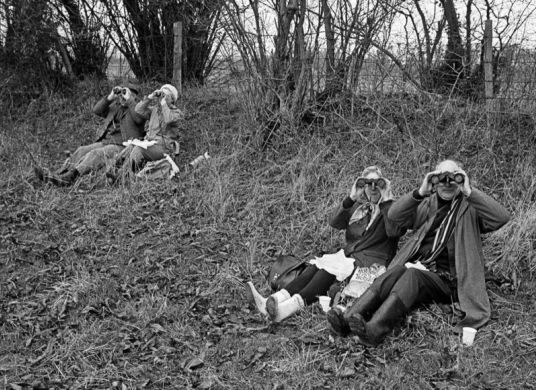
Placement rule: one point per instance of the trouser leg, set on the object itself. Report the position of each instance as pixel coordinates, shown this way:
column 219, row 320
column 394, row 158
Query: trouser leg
column 302, row 280
column 318, row 285
column 153, row 153
column 410, row 286
column 383, row 284
column 416, row 286
column 97, row 158
column 413, row 287
column 79, row 154
column 122, row 156
column 134, row 161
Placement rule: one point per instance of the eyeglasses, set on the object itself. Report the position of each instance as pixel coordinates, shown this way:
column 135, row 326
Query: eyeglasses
column 447, row 177
column 380, row 183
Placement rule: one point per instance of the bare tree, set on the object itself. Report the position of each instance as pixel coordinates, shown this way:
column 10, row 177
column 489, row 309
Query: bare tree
column 28, row 60
column 143, row 32
column 83, row 47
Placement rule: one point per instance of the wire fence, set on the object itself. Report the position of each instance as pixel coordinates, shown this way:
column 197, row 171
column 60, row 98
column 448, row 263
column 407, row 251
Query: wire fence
column 514, row 73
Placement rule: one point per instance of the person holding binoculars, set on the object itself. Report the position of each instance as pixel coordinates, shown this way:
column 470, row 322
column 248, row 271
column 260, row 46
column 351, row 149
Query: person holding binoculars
column 442, row 262
column 121, row 123
column 370, row 240
column 162, row 131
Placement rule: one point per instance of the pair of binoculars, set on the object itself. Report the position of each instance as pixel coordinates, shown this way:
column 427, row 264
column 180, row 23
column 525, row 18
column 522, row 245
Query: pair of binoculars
column 120, row 90
column 380, row 183
column 449, row 177
column 158, row 94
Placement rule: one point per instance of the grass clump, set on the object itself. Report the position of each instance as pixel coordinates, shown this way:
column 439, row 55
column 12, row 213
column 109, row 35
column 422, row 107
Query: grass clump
column 141, row 284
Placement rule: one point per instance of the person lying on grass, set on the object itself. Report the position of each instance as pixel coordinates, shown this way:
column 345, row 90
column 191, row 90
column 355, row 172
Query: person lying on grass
column 162, row 132
column 442, row 262
column 122, row 123
column 370, row 240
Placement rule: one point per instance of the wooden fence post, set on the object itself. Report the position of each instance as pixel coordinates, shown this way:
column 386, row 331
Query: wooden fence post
column 488, row 62
column 177, row 55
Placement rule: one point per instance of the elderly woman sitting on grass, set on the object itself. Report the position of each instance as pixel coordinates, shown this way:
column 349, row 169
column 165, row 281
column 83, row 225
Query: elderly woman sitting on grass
column 371, row 239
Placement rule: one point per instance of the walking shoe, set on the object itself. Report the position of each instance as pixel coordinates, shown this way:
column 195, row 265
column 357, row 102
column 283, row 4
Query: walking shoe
column 39, row 173
column 65, row 179
column 286, row 308
column 276, row 298
column 255, row 299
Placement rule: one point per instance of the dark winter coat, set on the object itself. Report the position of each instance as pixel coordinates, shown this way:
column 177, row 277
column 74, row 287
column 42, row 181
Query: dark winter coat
column 478, row 213
column 377, row 245
column 131, row 124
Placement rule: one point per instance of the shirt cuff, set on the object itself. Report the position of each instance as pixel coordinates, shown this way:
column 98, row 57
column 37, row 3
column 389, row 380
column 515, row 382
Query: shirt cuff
column 348, row 202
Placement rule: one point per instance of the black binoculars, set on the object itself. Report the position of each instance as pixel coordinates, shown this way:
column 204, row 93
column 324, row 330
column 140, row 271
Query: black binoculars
column 380, row 183
column 445, row 177
column 158, row 94
column 120, row 90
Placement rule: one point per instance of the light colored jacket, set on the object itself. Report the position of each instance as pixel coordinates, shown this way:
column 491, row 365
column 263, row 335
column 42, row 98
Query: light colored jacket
column 163, row 125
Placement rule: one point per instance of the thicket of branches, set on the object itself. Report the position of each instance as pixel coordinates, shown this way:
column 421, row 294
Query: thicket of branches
column 317, row 48
column 291, row 52
column 47, row 44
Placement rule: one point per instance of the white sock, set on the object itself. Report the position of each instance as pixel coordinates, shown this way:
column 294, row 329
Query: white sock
column 256, row 299
column 288, row 307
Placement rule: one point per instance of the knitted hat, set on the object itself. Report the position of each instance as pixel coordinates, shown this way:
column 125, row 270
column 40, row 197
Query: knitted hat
column 172, row 90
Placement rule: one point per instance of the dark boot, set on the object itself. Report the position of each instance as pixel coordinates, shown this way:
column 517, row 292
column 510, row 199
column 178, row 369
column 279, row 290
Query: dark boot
column 381, row 323
column 362, row 308
column 112, row 174
column 39, row 173
column 337, row 322
column 66, row 179
column 62, row 171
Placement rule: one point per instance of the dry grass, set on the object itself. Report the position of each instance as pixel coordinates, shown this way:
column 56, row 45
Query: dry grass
column 140, row 285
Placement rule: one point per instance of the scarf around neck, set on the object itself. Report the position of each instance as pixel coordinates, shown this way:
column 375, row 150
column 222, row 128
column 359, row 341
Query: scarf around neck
column 365, row 210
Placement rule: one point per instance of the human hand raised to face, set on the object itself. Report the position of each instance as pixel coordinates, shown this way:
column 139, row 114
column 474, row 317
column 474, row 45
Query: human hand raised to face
column 156, row 94
column 386, row 191
column 446, row 183
column 427, row 185
column 372, row 188
column 357, row 190
column 465, row 186
column 115, row 93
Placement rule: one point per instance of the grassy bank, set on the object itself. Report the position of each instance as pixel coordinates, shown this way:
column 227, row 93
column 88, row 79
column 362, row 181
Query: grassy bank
column 141, row 285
